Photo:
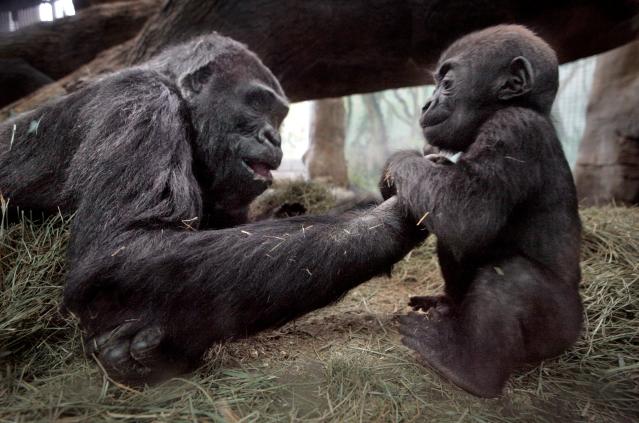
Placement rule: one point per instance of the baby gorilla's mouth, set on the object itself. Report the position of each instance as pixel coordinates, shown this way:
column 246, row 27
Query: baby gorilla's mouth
column 260, row 170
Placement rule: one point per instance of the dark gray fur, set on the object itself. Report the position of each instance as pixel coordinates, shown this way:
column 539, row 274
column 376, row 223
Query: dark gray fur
column 151, row 160
column 505, row 215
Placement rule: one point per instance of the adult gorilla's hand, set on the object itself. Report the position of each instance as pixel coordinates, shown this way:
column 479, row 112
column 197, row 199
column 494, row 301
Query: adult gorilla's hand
column 397, row 174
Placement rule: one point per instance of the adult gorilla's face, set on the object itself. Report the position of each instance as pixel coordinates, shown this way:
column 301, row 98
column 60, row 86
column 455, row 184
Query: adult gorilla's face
column 237, row 109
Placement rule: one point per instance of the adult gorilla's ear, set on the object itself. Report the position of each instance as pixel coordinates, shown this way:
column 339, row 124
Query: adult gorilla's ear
column 193, row 82
column 519, row 81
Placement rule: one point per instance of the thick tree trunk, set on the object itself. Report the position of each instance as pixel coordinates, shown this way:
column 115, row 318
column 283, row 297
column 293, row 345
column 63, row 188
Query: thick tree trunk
column 108, row 61
column 325, row 157
column 333, row 48
column 58, row 48
column 18, row 78
column 608, row 163
column 83, row 4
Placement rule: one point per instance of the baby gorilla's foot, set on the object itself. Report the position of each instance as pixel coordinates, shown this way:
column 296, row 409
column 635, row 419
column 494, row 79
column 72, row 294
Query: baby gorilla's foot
column 438, row 306
column 439, row 346
column 133, row 355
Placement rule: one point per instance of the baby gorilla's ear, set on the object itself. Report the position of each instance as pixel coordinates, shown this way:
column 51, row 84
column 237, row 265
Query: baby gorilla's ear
column 519, row 79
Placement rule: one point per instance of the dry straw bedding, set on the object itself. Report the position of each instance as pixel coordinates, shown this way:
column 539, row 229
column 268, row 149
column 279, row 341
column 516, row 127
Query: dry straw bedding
column 342, row 363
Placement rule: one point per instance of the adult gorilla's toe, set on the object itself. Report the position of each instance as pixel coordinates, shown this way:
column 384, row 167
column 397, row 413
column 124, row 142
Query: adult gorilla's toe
column 133, row 356
column 105, row 340
column 145, row 343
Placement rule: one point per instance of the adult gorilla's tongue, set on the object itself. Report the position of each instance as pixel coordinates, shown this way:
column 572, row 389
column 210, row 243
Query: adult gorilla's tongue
column 262, row 170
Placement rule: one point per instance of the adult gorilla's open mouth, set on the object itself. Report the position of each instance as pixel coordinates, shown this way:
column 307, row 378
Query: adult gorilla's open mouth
column 260, row 169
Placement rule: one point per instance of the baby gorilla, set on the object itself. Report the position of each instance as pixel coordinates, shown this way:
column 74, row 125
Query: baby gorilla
column 501, row 200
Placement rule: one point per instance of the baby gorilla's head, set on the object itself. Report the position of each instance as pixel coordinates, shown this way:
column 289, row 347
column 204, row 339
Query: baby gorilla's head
column 503, row 66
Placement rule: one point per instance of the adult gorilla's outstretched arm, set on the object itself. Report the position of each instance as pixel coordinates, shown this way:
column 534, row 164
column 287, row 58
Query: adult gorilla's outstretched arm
column 152, row 293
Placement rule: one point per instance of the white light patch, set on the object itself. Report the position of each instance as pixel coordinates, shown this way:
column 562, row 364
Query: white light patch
column 69, row 9
column 46, row 12
column 58, row 8
column 295, row 130
column 455, row 157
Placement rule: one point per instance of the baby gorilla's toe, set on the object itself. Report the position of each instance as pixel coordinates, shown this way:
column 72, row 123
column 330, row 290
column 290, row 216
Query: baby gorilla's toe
column 422, row 303
column 438, row 306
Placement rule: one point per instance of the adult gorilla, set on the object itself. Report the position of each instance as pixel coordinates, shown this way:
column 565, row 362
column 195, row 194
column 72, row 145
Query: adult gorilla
column 148, row 156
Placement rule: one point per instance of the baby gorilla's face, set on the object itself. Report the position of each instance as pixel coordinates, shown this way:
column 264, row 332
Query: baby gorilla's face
column 460, row 103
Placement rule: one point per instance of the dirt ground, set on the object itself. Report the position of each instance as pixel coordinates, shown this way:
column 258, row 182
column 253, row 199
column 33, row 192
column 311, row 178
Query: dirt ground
column 369, row 311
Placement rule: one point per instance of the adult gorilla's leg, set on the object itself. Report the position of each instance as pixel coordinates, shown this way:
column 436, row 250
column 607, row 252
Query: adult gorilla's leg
column 513, row 314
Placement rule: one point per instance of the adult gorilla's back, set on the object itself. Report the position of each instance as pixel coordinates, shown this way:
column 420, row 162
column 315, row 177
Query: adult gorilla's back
column 160, row 162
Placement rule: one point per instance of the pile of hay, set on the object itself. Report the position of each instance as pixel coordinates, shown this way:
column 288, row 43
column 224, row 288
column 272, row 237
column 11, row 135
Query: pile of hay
column 343, row 363
column 313, row 197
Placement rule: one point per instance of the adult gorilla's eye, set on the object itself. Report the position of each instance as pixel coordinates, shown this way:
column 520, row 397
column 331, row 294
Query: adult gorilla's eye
column 447, row 84
column 260, row 99
column 246, row 125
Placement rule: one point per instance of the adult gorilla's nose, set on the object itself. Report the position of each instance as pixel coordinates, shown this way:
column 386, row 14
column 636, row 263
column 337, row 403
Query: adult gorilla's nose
column 269, row 152
column 268, row 134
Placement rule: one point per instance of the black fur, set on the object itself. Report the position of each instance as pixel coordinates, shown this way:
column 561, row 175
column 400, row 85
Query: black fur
column 505, row 214
column 159, row 163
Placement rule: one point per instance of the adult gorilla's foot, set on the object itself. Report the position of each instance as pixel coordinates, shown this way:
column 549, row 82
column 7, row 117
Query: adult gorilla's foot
column 442, row 348
column 133, row 356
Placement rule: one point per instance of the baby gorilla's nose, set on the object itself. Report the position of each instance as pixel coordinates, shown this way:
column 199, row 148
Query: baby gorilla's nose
column 427, row 105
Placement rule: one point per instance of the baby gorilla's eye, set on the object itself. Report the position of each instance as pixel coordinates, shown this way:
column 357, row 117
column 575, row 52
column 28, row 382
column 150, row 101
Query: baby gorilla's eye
column 447, row 84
